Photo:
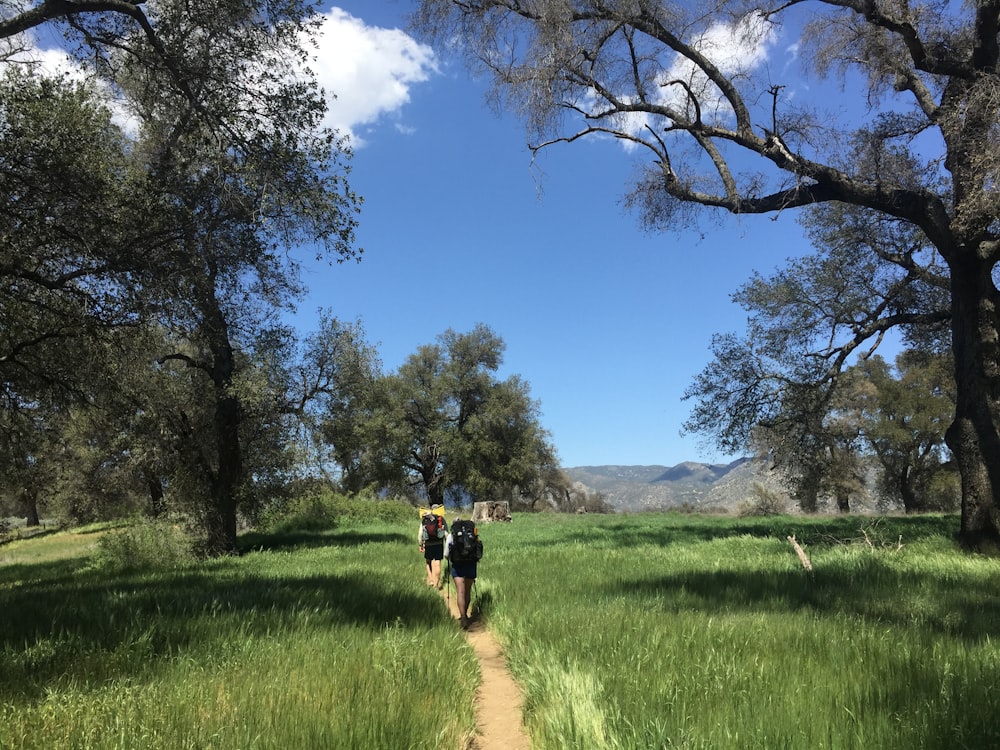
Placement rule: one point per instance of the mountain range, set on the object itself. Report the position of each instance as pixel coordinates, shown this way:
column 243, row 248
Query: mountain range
column 691, row 485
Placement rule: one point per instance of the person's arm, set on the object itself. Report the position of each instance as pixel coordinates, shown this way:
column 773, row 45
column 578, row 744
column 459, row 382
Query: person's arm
column 447, row 545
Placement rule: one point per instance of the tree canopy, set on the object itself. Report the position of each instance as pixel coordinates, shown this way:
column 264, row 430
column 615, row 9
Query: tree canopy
column 183, row 228
column 443, row 426
column 686, row 87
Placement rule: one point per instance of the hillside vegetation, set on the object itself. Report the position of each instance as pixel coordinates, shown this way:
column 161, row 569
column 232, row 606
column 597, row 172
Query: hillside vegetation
column 688, row 485
column 625, row 631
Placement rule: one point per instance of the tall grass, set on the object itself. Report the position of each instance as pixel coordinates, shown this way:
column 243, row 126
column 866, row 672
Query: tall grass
column 675, row 631
column 645, row 631
column 337, row 643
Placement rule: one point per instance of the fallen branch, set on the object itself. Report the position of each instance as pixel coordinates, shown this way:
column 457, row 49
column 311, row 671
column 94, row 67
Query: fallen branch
column 801, row 553
column 867, row 539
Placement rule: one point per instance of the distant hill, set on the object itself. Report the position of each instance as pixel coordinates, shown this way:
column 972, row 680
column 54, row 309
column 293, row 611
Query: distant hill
column 690, row 484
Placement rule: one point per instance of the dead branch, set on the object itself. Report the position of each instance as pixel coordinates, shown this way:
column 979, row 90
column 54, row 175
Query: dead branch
column 801, row 553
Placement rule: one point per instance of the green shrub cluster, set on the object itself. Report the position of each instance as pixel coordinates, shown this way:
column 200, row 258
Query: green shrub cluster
column 144, row 545
column 362, row 509
column 324, row 510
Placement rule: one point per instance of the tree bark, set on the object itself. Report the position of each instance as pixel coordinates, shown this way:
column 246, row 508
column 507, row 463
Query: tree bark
column 31, row 517
column 229, row 476
column 911, row 504
column 973, row 437
column 228, row 479
column 157, row 498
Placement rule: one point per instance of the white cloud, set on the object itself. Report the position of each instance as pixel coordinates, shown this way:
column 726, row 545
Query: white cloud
column 54, row 62
column 51, row 62
column 735, row 49
column 369, row 69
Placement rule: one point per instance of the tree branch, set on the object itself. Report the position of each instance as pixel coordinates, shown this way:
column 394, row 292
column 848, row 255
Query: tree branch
column 51, row 10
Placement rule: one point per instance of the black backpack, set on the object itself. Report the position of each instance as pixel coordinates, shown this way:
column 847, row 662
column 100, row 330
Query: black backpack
column 465, row 543
column 433, row 523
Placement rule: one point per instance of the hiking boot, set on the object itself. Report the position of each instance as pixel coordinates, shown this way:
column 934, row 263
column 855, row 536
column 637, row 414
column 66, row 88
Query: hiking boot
column 464, row 622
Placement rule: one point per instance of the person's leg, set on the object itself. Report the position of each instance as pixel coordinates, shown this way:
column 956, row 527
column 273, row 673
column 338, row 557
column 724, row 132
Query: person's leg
column 434, row 578
column 467, row 585
column 462, row 595
column 430, row 569
column 470, row 583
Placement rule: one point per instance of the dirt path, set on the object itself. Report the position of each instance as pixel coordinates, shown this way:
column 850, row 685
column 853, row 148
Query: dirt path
column 498, row 701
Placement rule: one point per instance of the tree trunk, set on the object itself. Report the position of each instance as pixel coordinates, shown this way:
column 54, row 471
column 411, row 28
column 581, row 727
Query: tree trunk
column 431, row 474
column 808, row 500
column 31, row 517
column 157, row 499
column 435, row 490
column 221, row 515
column 843, row 501
column 911, row 503
column 228, row 480
column 229, row 475
column 973, row 437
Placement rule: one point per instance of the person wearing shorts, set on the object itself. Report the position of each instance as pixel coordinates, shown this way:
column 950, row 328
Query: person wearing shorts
column 464, row 574
column 433, row 550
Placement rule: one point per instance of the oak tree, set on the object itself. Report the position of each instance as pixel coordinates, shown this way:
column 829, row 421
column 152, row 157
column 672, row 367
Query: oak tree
column 444, row 426
column 682, row 84
column 228, row 170
column 905, row 411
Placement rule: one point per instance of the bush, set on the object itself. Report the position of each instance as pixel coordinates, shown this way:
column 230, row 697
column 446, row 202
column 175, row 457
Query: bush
column 364, row 509
column 943, row 492
column 308, row 513
column 144, row 545
column 763, row 502
column 322, row 511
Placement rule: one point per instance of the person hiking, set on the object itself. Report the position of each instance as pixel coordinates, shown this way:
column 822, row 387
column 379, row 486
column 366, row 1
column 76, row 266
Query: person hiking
column 463, row 549
column 431, row 538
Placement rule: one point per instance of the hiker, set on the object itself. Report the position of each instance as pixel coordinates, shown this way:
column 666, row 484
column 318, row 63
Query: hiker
column 431, row 538
column 463, row 549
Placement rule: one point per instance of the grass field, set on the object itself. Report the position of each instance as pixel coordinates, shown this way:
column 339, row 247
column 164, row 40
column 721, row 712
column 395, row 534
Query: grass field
column 642, row 631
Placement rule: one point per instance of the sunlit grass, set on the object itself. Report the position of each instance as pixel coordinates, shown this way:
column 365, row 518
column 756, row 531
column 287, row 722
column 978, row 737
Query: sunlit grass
column 338, row 644
column 626, row 632
column 670, row 631
column 49, row 546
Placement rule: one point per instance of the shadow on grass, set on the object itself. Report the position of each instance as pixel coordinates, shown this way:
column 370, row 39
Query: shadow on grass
column 48, row 572
column 873, row 591
column 482, row 603
column 687, row 528
column 941, row 608
column 304, row 538
column 87, row 627
column 23, row 534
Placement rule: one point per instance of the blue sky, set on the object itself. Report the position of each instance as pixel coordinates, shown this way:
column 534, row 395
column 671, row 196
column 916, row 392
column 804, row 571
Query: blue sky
column 606, row 322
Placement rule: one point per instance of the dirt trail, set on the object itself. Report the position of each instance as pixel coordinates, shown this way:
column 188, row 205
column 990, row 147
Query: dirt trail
column 498, row 701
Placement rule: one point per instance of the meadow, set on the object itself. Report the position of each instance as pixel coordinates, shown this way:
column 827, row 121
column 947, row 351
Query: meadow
column 637, row 631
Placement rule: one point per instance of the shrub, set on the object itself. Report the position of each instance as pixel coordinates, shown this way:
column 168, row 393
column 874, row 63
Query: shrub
column 322, row 511
column 144, row 545
column 361, row 509
column 762, row 502
column 943, row 492
column 307, row 513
